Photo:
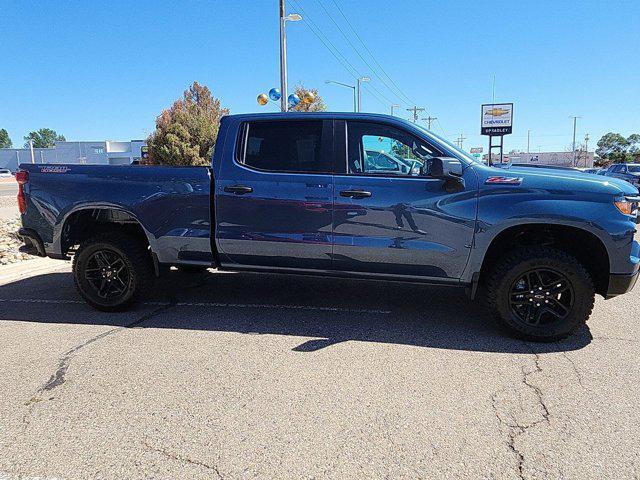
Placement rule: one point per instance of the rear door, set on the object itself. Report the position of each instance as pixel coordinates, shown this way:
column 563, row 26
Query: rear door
column 393, row 221
column 274, row 198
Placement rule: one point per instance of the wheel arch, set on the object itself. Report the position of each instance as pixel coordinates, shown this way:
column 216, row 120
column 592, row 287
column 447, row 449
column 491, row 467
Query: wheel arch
column 585, row 246
column 88, row 220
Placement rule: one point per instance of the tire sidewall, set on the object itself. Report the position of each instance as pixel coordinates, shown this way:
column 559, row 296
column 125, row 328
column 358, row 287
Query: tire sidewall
column 583, row 299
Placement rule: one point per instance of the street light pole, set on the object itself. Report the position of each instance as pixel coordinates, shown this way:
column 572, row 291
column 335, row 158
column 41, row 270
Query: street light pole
column 283, row 61
column 395, row 105
column 294, row 17
column 361, row 79
column 355, row 105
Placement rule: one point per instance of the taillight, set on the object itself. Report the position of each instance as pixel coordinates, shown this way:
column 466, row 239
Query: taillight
column 22, row 177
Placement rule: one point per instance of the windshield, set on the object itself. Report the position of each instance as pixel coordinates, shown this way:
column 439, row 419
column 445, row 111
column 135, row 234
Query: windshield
column 450, row 146
column 633, row 168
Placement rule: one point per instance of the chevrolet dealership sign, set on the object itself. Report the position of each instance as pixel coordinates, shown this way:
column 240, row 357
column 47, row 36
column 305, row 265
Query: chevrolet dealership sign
column 497, row 119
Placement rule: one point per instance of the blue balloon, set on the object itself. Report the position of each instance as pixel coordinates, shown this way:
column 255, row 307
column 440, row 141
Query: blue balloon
column 293, row 100
column 274, row 94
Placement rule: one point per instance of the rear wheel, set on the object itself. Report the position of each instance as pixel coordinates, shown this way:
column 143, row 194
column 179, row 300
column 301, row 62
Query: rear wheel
column 540, row 293
column 111, row 270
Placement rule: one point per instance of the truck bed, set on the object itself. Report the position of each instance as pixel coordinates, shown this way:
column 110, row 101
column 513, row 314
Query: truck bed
column 172, row 204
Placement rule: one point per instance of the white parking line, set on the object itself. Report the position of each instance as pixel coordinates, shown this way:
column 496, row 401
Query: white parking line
column 214, row 305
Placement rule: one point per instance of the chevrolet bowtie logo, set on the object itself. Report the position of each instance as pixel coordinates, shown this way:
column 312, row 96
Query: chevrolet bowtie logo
column 496, row 112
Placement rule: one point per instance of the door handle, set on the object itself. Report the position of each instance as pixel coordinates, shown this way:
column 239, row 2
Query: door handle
column 355, row 193
column 238, row 189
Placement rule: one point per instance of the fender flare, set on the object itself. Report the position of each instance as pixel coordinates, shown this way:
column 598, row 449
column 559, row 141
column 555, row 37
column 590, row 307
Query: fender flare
column 64, row 218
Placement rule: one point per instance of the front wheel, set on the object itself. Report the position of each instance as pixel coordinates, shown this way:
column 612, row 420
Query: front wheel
column 540, row 293
column 111, row 270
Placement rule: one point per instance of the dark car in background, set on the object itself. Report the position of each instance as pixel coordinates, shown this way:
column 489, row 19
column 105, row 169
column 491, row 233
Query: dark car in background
column 626, row 171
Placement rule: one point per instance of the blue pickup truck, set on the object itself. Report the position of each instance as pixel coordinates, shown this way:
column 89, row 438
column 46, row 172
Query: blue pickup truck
column 295, row 193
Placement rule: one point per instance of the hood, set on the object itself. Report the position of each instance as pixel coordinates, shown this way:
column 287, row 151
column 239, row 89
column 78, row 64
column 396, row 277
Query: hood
column 572, row 180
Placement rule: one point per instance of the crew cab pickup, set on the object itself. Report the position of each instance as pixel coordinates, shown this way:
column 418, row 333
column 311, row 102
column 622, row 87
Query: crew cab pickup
column 300, row 193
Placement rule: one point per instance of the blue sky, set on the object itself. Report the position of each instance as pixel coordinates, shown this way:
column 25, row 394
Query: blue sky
column 104, row 70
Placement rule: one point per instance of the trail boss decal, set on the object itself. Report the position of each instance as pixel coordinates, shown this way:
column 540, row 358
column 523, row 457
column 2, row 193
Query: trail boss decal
column 503, row 181
column 54, row 169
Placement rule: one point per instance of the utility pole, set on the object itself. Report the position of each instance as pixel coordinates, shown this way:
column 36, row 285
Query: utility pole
column 415, row 111
column 33, row 159
column 429, row 120
column 586, row 142
column 493, row 90
column 528, row 139
column 459, row 141
column 586, row 148
column 573, row 148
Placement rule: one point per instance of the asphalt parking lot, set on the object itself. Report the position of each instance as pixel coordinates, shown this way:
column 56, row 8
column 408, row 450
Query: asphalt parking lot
column 244, row 376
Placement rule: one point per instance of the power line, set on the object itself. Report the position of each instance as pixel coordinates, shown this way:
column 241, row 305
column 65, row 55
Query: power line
column 370, row 53
column 319, row 34
column 329, row 45
column 355, row 49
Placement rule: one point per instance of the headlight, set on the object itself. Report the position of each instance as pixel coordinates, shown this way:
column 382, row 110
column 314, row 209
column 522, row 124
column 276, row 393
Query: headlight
column 628, row 205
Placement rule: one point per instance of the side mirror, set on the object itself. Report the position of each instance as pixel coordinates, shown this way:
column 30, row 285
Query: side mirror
column 445, row 168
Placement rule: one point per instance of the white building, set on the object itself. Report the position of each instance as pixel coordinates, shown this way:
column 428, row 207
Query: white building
column 89, row 153
column 561, row 159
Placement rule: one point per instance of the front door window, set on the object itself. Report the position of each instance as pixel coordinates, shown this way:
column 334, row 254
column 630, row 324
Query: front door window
column 376, row 149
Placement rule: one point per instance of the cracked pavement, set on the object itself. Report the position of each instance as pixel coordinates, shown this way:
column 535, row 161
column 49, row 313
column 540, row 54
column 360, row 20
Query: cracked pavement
column 247, row 376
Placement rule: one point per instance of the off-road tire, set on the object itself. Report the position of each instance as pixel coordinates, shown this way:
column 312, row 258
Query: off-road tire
column 516, row 264
column 136, row 259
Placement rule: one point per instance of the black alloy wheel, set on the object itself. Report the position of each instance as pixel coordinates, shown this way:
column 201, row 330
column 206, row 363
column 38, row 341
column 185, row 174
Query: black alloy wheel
column 541, row 296
column 108, row 274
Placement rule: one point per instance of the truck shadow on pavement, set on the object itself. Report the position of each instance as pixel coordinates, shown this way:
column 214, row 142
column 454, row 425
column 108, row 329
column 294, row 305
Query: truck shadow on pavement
column 329, row 311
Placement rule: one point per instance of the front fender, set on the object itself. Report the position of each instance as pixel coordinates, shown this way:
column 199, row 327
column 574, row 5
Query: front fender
column 504, row 207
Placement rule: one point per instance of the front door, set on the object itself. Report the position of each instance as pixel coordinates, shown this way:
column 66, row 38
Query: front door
column 274, row 199
column 389, row 217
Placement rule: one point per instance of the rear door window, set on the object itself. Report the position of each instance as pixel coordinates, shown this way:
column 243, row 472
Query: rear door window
column 290, row 146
